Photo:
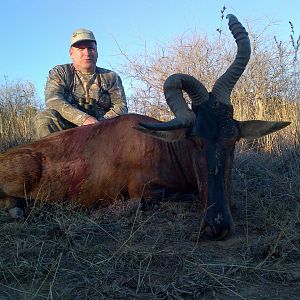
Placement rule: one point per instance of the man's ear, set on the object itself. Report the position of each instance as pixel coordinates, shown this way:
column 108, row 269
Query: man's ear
column 254, row 129
column 168, row 136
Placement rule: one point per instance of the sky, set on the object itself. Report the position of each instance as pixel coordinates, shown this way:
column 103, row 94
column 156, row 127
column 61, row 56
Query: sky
column 35, row 34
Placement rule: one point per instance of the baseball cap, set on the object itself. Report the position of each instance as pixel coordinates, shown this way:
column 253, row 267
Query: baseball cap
column 82, row 34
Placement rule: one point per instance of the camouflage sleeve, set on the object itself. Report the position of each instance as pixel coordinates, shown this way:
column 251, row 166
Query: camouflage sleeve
column 118, row 98
column 55, row 97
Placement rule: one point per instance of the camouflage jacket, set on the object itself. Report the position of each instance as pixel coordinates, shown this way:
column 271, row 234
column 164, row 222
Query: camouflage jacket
column 76, row 96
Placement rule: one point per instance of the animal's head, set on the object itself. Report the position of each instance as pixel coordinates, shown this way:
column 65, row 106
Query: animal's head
column 211, row 126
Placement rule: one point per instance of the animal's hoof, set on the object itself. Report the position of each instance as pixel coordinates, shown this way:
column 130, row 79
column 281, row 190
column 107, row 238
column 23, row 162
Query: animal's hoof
column 16, row 212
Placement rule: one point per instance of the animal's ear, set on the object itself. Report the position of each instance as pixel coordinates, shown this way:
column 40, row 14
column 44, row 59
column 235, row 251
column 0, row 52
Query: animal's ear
column 254, row 129
column 168, row 136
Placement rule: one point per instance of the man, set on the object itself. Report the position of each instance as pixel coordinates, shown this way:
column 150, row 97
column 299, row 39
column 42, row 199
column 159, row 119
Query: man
column 80, row 93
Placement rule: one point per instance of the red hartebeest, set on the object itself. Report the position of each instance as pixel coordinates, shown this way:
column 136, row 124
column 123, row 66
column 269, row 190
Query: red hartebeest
column 136, row 156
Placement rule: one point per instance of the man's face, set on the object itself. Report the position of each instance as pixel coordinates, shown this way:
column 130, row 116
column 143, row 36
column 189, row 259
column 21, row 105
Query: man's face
column 84, row 56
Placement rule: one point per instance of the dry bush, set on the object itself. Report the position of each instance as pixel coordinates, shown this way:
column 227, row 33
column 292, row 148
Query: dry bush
column 17, row 109
column 269, row 88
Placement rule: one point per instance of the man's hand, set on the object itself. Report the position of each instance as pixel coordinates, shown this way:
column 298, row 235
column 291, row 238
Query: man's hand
column 90, row 120
column 110, row 114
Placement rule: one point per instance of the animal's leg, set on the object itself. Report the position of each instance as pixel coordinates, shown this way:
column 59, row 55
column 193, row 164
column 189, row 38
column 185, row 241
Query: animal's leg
column 14, row 206
column 19, row 173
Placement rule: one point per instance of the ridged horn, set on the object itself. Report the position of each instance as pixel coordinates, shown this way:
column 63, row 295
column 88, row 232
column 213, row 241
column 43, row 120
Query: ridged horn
column 224, row 85
column 184, row 116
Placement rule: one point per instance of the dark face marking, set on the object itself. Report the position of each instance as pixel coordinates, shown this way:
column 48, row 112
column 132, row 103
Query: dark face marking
column 215, row 135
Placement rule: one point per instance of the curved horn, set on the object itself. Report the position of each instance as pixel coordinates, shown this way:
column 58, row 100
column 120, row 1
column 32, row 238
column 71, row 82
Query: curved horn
column 184, row 116
column 224, row 85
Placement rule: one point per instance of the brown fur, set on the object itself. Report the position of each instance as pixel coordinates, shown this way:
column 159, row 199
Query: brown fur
column 95, row 164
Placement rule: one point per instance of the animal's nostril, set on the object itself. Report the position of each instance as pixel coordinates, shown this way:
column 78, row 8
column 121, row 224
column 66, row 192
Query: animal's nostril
column 210, row 232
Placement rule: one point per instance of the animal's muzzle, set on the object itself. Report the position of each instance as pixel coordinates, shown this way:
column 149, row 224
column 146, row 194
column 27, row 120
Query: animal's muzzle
column 216, row 232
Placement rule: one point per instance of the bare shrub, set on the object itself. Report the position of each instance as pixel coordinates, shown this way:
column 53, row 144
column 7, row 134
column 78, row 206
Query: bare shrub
column 18, row 104
column 269, row 88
